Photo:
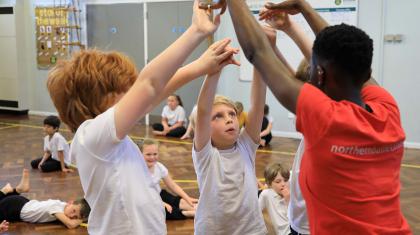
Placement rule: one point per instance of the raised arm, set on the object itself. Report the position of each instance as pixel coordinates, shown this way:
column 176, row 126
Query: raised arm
column 202, row 133
column 259, row 52
column 281, row 21
column 256, row 111
column 293, row 7
column 272, row 38
column 205, row 101
column 153, row 78
column 209, row 62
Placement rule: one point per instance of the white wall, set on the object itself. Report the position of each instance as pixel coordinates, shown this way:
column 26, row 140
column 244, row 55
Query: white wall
column 34, row 94
column 370, row 20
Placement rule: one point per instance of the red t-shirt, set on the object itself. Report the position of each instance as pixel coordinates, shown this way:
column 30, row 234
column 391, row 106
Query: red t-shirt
column 350, row 171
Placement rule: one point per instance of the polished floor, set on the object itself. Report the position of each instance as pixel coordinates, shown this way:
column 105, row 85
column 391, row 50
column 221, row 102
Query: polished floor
column 21, row 139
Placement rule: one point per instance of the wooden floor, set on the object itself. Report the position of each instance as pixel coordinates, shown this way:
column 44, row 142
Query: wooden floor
column 21, row 140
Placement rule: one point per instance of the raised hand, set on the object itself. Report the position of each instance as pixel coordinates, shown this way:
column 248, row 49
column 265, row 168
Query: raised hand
column 202, row 20
column 210, row 5
column 276, row 19
column 218, row 55
column 291, row 7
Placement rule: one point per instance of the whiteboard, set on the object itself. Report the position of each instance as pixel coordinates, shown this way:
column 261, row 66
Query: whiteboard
column 333, row 11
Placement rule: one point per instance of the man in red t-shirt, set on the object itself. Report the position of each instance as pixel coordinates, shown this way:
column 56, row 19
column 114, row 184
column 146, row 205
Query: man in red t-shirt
column 353, row 136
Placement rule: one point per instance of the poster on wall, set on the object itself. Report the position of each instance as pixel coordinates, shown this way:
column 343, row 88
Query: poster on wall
column 333, row 11
column 52, row 35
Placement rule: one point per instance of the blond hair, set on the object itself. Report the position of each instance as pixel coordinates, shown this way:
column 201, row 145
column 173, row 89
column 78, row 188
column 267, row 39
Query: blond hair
column 220, row 99
column 86, row 85
column 239, row 106
column 302, row 72
column 147, row 142
column 271, row 171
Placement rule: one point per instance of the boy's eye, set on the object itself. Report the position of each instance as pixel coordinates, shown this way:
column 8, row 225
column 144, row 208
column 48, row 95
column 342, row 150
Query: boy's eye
column 217, row 116
column 232, row 114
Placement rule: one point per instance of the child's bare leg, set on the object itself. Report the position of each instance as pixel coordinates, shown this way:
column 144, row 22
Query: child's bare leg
column 189, row 214
column 7, row 189
column 158, row 132
column 184, row 206
column 23, row 186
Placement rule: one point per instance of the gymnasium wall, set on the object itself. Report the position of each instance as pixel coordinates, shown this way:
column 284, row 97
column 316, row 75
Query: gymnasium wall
column 33, row 93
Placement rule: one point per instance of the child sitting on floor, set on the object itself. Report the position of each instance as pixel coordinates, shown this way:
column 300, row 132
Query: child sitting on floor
column 177, row 207
column 173, row 118
column 191, row 125
column 14, row 207
column 56, row 150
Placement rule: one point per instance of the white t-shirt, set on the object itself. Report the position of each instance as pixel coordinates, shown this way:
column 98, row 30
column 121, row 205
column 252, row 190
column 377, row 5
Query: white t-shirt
column 228, row 190
column 159, row 172
column 298, row 217
column 270, row 119
column 55, row 144
column 41, row 211
column 277, row 210
column 116, row 181
column 174, row 116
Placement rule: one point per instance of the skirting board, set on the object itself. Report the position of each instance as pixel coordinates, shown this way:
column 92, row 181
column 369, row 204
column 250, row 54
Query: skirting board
column 41, row 113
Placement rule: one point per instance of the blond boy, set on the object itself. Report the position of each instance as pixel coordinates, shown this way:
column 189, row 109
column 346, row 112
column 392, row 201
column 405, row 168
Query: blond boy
column 224, row 160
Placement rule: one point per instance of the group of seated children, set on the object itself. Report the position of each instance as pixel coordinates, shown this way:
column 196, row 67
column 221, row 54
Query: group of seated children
column 173, row 121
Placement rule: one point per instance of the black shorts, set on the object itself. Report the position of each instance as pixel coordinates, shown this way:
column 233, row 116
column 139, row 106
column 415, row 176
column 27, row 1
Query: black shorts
column 174, row 202
column 10, row 206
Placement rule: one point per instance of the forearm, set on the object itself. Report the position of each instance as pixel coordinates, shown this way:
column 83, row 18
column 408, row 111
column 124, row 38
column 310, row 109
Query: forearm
column 315, row 21
column 179, row 191
column 165, row 123
column 283, row 60
column 172, row 58
column 206, row 97
column 45, row 157
column 256, row 111
column 259, row 52
column 69, row 223
column 152, row 79
column 61, row 157
column 249, row 33
column 182, row 76
column 204, row 107
column 264, row 132
column 176, row 125
column 296, row 33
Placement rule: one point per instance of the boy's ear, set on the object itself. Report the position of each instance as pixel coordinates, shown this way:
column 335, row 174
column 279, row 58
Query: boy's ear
column 320, row 73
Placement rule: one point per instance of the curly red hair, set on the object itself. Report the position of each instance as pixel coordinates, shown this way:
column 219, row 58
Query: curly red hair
column 86, row 85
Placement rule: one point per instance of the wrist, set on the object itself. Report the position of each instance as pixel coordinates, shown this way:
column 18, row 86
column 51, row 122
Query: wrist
column 199, row 67
column 304, row 6
column 291, row 29
column 197, row 33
